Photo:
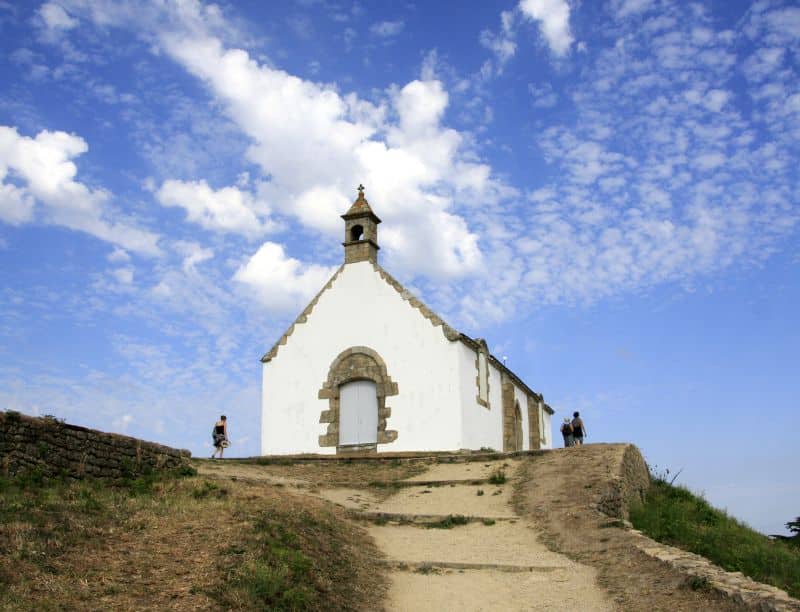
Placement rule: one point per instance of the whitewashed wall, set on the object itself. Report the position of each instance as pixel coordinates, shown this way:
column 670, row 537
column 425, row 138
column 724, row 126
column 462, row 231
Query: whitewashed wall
column 480, row 427
column 361, row 309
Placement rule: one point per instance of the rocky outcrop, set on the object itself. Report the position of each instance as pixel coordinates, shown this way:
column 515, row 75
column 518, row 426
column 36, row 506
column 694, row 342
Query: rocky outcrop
column 50, row 447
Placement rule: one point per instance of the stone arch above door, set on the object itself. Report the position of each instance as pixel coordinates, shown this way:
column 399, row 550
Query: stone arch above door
column 356, row 363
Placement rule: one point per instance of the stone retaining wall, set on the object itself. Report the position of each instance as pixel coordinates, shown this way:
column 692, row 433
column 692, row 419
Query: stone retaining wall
column 51, row 447
column 628, row 483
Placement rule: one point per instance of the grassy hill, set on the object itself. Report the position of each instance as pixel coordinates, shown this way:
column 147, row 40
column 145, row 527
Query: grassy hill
column 676, row 516
column 181, row 542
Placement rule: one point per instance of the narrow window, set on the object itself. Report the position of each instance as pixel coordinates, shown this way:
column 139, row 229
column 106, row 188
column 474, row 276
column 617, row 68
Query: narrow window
column 356, row 233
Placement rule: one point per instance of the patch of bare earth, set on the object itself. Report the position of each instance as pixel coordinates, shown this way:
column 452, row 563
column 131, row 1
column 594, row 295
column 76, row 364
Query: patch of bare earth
column 560, row 489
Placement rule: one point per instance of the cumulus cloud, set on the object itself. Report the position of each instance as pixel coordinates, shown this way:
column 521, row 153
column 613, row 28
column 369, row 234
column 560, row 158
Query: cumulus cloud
column 42, row 171
column 552, row 17
column 292, row 121
column 659, row 177
column 282, row 283
column 229, row 209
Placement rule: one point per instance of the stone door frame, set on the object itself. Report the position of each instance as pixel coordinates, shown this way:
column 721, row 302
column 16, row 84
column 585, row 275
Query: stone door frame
column 356, row 363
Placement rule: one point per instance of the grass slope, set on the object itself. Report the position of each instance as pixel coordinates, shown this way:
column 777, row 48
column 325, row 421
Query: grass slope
column 674, row 515
column 183, row 543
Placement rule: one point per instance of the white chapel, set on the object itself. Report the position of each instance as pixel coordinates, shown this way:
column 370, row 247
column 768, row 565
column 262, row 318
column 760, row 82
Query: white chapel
column 367, row 367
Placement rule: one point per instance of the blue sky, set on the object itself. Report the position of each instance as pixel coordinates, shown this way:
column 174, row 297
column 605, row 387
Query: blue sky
column 606, row 191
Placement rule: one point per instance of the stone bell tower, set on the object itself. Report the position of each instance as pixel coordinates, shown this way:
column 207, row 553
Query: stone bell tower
column 360, row 231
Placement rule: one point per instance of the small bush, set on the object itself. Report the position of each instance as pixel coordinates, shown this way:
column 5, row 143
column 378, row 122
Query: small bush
column 498, row 477
column 209, row 489
column 699, row 583
column 480, row 492
column 448, row 522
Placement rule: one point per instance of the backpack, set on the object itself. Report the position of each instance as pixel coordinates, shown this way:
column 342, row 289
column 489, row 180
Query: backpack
column 566, row 429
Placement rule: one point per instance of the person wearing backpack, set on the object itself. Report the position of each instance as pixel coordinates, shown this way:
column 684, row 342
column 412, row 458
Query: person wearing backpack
column 566, row 431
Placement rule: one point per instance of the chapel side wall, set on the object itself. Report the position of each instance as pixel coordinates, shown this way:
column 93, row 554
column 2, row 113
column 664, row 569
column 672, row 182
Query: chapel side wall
column 362, row 309
column 482, row 427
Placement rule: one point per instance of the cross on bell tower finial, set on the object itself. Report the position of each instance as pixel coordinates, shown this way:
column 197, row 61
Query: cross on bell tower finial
column 360, row 231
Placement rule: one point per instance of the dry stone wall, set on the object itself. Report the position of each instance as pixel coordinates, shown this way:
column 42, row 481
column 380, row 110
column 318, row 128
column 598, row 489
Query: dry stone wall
column 50, row 447
column 627, row 485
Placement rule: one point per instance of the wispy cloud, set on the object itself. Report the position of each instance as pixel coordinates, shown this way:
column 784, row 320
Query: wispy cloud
column 387, row 29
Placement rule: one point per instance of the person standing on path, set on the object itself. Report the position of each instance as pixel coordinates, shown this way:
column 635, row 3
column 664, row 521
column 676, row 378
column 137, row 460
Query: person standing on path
column 220, row 436
column 566, row 431
column 578, row 428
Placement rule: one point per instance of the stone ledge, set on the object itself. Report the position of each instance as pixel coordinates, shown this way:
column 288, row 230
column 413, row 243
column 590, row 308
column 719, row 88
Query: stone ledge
column 627, row 485
column 733, row 585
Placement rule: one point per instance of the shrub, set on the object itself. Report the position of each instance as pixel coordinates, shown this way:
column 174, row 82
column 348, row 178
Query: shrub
column 498, row 477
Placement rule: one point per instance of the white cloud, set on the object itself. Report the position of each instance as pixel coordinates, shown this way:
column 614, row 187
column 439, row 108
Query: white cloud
column 281, row 283
column 553, row 19
column 624, row 8
column 44, row 172
column 543, row 95
column 502, row 44
column 387, row 29
column 118, row 255
column 192, row 253
column 124, row 275
column 292, row 121
column 55, row 17
column 229, row 209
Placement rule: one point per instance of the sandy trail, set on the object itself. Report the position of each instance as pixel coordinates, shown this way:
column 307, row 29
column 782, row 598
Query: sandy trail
column 509, row 568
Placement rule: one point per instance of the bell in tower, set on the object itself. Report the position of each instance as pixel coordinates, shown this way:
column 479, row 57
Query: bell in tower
column 360, row 231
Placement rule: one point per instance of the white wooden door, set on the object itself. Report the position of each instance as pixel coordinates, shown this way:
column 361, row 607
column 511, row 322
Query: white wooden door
column 358, row 413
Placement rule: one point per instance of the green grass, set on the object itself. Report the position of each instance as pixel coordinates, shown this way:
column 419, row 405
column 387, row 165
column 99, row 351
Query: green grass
column 674, row 515
column 43, row 518
column 497, row 477
column 298, row 561
column 448, row 522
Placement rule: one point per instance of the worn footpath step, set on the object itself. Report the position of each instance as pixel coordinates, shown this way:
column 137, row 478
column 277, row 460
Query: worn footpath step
column 407, row 484
column 488, row 590
column 423, row 519
column 460, row 472
column 432, row 566
column 503, row 544
column 473, row 500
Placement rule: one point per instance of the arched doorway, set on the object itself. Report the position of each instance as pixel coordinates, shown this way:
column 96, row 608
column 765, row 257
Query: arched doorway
column 358, row 413
column 356, row 389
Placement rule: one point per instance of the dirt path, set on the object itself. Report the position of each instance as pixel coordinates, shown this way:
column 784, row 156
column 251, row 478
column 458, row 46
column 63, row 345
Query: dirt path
column 494, row 562
column 560, row 490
